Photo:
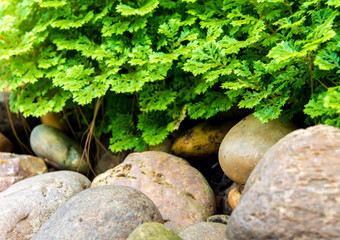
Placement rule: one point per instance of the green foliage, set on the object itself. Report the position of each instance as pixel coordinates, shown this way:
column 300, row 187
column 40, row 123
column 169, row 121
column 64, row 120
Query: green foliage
column 157, row 62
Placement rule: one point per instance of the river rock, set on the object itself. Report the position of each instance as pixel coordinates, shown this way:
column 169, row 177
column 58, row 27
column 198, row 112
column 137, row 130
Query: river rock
column 202, row 141
column 14, row 168
column 5, row 144
column 104, row 212
column 26, row 205
column 54, row 119
column 58, row 150
column 204, row 231
column 244, row 145
column 180, row 191
column 294, row 191
column 153, row 231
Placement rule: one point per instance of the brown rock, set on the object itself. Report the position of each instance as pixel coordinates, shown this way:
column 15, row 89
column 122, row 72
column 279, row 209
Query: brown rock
column 54, row 120
column 204, row 231
column 180, row 192
column 201, row 142
column 5, row 144
column 244, row 145
column 14, row 168
column 26, row 205
column 108, row 160
column 104, row 212
column 294, row 191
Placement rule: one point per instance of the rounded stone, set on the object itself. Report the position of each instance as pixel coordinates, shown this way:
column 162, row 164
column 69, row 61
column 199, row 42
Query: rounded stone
column 244, row 145
column 220, row 218
column 204, row 231
column 294, row 191
column 181, row 193
column 202, row 141
column 153, row 231
column 58, row 150
column 14, row 168
column 5, row 144
column 104, row 212
column 27, row 204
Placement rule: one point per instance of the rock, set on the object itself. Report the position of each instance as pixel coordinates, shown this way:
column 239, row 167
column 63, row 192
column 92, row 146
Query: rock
column 204, row 231
column 153, row 231
column 234, row 197
column 104, row 212
column 5, row 144
column 14, row 168
column 180, row 192
column 226, row 208
column 57, row 148
column 220, row 218
column 26, row 205
column 164, row 146
column 54, row 120
column 201, row 142
column 293, row 192
column 244, row 145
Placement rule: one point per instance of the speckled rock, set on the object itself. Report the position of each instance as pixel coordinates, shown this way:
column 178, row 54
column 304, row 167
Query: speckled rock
column 104, row 212
column 153, row 231
column 180, row 192
column 294, row 191
column 14, row 167
column 244, row 145
column 204, row 231
column 220, row 218
column 202, row 142
column 26, row 205
column 5, row 144
column 57, row 148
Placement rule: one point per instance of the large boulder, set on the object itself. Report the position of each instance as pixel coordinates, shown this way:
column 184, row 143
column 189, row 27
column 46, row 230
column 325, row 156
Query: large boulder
column 104, row 212
column 14, row 167
column 58, row 149
column 26, row 205
column 294, row 191
column 244, row 145
column 180, row 191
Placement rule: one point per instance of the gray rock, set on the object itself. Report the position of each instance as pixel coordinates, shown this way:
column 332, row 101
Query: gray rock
column 153, row 231
column 57, row 148
column 204, row 231
column 220, row 218
column 104, row 212
column 294, row 191
column 181, row 193
column 26, row 205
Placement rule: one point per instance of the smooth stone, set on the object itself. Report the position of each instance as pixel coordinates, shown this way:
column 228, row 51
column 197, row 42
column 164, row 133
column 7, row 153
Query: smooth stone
column 220, row 218
column 5, row 144
column 244, row 145
column 153, row 231
column 58, row 150
column 202, row 142
column 204, row 231
column 293, row 192
column 180, row 191
column 104, row 212
column 14, row 168
column 26, row 205
column 55, row 120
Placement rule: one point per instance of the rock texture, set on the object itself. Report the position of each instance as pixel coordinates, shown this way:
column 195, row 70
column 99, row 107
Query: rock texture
column 204, row 231
column 202, row 141
column 294, row 191
column 180, row 192
column 221, row 218
column 57, row 148
column 14, row 168
column 153, row 231
column 26, row 205
column 244, row 145
column 5, row 144
column 105, row 212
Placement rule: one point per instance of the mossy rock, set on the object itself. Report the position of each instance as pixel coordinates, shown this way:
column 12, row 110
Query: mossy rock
column 153, row 231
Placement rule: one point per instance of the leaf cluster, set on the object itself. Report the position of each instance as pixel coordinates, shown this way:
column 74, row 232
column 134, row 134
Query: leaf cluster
column 158, row 62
